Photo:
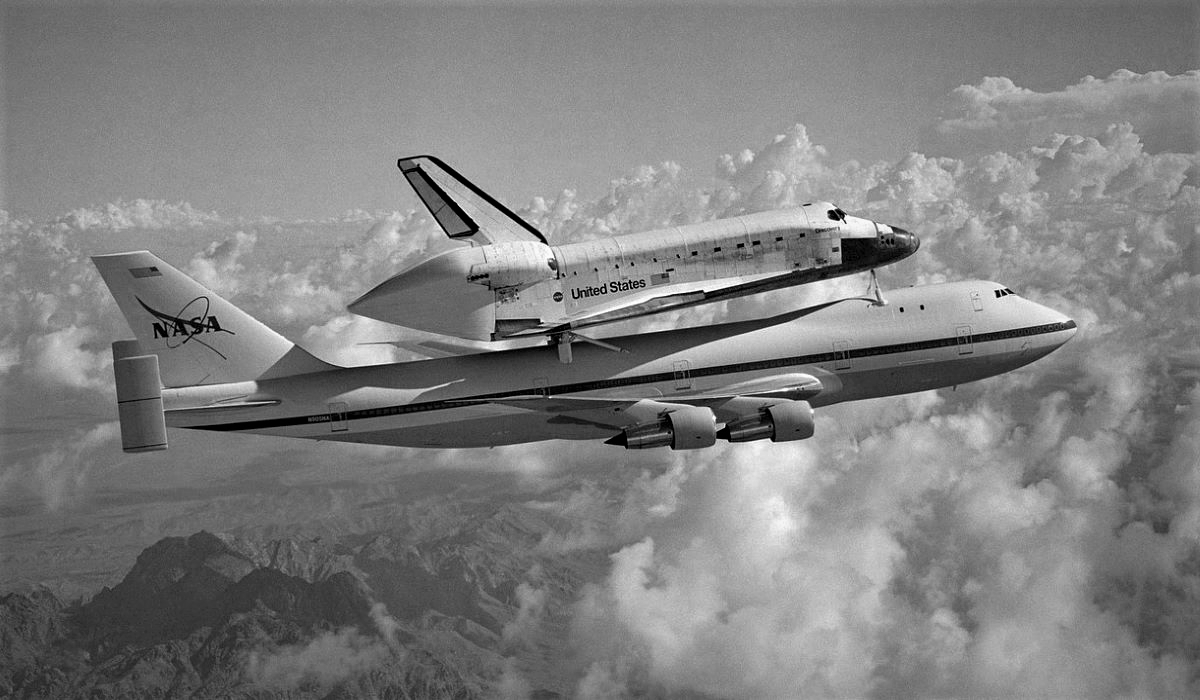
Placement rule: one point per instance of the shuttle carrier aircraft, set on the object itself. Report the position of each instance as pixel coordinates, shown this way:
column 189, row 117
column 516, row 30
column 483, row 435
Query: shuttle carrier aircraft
column 201, row 363
column 507, row 281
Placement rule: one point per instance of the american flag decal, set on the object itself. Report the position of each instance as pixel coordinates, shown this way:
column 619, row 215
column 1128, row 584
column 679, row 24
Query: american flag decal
column 660, row 279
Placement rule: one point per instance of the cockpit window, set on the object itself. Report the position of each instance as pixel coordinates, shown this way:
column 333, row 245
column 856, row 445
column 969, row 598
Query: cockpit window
column 836, row 214
column 1003, row 292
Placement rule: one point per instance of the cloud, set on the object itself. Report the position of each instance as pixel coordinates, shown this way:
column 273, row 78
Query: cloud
column 603, row 516
column 59, row 472
column 330, row 658
column 219, row 265
column 60, row 357
column 327, row 660
column 149, row 214
column 349, row 340
column 997, row 115
column 989, row 541
column 531, row 606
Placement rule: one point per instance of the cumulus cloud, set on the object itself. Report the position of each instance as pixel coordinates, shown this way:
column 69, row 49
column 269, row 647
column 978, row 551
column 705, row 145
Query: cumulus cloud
column 60, row 357
column 349, row 340
column 602, row 516
column 221, row 262
column 148, row 214
column 997, row 540
column 531, row 606
column 998, row 115
column 330, row 658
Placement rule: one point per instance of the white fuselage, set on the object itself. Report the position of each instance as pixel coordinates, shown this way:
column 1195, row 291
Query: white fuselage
column 926, row 337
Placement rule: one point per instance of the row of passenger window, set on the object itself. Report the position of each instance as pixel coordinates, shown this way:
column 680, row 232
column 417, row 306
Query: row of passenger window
column 817, row 358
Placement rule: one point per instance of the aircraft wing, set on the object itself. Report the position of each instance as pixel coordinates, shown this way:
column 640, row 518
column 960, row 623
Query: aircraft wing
column 464, row 211
column 727, row 403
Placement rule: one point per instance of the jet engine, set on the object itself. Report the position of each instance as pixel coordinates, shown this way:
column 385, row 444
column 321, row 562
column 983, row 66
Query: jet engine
column 781, row 422
column 687, row 428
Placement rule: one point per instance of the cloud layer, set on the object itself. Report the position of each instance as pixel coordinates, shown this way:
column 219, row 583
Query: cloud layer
column 1034, row 534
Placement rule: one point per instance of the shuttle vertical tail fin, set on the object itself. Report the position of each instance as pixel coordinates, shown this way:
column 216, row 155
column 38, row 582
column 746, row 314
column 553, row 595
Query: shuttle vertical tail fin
column 463, row 210
column 199, row 337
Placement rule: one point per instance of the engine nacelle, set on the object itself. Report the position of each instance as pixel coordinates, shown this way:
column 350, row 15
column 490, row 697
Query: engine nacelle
column 781, row 422
column 687, row 428
column 514, row 265
column 139, row 399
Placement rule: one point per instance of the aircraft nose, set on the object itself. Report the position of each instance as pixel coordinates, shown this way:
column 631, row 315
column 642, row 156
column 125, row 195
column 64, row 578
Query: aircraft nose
column 1062, row 328
column 1068, row 328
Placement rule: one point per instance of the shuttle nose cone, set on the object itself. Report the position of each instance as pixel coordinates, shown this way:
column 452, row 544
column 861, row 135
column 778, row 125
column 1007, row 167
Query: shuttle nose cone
column 891, row 243
column 906, row 241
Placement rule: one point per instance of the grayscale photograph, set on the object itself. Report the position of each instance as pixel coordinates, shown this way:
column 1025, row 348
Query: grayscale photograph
column 533, row 350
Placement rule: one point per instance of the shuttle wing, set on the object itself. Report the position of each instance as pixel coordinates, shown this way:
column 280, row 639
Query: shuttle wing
column 464, row 211
column 681, row 296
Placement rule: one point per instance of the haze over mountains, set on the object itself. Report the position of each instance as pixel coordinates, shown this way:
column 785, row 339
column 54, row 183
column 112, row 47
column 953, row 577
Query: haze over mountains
column 205, row 616
column 1036, row 534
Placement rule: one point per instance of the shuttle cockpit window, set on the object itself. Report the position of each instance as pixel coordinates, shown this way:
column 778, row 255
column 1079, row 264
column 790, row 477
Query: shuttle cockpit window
column 836, row 214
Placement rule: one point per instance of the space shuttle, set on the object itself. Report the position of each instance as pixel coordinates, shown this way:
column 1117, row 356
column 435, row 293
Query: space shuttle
column 508, row 281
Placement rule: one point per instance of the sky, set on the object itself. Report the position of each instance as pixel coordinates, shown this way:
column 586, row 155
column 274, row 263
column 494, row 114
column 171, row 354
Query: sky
column 1033, row 534
column 302, row 112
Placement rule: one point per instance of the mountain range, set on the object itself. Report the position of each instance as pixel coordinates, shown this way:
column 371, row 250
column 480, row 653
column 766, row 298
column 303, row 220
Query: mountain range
column 441, row 614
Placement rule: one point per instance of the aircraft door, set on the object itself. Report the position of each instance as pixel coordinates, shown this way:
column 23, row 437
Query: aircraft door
column 828, row 247
column 841, row 354
column 965, row 343
column 337, row 417
column 977, row 301
column 828, row 235
column 683, row 375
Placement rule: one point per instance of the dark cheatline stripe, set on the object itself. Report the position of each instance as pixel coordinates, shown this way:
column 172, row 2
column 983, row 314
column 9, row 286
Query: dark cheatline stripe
column 616, row 382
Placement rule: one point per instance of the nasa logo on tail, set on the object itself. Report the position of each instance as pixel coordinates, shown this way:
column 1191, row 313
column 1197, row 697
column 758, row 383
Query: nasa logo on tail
column 178, row 329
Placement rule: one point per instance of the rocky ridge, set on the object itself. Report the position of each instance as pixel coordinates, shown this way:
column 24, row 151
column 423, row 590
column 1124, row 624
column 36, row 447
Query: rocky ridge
column 377, row 614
